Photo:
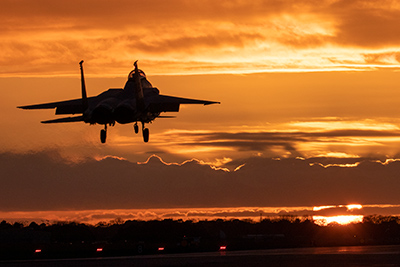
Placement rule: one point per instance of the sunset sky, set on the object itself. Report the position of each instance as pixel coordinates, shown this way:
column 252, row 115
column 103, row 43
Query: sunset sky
column 309, row 112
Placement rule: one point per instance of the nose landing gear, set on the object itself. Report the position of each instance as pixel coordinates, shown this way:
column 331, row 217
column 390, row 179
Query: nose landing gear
column 136, row 128
column 103, row 134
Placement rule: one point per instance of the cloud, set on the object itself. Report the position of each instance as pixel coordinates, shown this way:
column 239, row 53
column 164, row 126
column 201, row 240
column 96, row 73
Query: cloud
column 296, row 143
column 367, row 23
column 38, row 182
column 389, row 58
column 210, row 36
column 103, row 14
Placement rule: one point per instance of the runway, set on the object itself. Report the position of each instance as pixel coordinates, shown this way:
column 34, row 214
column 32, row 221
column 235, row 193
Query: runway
column 325, row 256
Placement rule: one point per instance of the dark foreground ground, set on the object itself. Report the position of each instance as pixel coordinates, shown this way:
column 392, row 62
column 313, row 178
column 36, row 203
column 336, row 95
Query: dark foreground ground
column 356, row 256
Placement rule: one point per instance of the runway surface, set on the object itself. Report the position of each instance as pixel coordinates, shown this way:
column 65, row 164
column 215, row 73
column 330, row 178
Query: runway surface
column 326, row 256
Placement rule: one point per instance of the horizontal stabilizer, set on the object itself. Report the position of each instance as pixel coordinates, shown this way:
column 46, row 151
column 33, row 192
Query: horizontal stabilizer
column 67, row 119
column 166, row 117
column 211, row 102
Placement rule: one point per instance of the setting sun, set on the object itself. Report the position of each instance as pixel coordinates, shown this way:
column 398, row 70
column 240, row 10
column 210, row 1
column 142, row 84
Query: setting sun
column 340, row 219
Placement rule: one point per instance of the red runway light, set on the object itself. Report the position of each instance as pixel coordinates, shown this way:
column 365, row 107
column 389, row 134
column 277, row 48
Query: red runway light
column 38, row 250
column 161, row 249
column 222, row 248
column 99, row 249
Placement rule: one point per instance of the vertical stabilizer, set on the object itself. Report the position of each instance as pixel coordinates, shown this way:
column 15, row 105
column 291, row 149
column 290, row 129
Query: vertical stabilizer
column 83, row 87
column 138, row 89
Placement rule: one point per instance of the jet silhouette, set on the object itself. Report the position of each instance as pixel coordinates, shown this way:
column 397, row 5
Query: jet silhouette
column 137, row 102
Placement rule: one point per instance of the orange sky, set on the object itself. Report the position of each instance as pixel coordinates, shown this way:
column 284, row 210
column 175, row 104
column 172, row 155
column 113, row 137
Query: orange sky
column 45, row 38
column 296, row 79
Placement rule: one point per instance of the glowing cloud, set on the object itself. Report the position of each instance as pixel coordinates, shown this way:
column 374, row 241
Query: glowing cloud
column 354, row 206
column 347, row 165
column 324, row 137
column 213, row 165
column 200, row 37
column 99, row 158
column 349, row 207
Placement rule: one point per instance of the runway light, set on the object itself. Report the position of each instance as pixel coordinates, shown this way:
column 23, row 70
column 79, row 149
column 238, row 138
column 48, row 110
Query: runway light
column 161, row 249
column 38, row 250
column 222, row 248
column 99, row 249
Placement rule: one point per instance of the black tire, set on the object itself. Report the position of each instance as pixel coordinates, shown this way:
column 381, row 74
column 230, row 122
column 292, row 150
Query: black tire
column 146, row 135
column 103, row 136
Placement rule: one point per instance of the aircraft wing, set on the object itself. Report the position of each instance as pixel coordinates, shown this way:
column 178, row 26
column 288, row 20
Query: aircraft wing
column 181, row 100
column 164, row 103
column 67, row 119
column 73, row 106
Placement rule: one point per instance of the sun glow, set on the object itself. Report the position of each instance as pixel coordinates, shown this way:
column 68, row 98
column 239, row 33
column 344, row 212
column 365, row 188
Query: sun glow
column 340, row 219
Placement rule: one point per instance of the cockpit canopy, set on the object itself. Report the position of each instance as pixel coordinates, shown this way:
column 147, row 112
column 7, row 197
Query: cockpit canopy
column 132, row 73
column 143, row 79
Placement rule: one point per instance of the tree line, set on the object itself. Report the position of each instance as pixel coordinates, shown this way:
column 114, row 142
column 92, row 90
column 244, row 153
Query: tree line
column 133, row 237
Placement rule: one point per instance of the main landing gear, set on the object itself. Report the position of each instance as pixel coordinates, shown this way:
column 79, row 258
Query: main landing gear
column 145, row 131
column 146, row 135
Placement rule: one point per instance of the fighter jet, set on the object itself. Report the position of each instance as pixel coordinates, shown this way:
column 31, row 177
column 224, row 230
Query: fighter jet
column 137, row 102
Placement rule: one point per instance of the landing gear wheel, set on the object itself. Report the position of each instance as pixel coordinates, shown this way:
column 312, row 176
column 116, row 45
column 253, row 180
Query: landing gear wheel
column 103, row 136
column 136, row 128
column 146, row 135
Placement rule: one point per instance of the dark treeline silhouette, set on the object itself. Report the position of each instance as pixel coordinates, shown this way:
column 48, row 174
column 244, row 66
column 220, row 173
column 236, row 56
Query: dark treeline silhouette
column 71, row 239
